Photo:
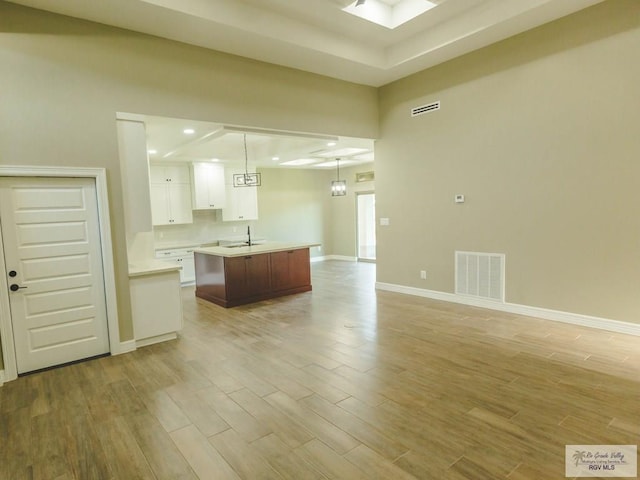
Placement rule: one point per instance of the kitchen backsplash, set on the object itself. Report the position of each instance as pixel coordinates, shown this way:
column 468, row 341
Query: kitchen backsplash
column 207, row 227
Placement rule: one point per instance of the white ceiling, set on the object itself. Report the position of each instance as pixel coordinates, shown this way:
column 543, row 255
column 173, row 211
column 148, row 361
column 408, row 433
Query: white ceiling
column 318, row 36
column 168, row 142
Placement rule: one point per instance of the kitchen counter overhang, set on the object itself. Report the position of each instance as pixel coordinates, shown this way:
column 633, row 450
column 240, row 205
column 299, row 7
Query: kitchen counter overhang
column 230, row 276
column 268, row 247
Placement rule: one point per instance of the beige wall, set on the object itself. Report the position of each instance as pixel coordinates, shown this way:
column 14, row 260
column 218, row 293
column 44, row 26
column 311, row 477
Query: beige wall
column 540, row 132
column 343, row 211
column 63, row 80
column 293, row 205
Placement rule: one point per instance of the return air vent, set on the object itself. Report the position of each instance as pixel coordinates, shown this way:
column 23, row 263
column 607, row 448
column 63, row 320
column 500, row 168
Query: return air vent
column 365, row 177
column 425, row 109
column 480, row 275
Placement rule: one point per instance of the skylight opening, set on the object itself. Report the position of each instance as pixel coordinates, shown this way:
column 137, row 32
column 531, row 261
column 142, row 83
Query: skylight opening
column 389, row 16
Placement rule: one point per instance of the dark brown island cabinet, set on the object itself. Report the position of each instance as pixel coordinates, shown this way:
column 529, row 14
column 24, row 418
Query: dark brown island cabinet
column 230, row 277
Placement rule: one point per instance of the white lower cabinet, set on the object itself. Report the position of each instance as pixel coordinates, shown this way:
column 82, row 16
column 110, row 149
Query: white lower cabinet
column 156, row 307
column 182, row 258
column 188, row 272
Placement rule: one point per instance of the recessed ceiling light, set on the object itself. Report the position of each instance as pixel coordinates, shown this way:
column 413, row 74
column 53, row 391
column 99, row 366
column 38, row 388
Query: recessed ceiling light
column 331, row 144
column 275, row 159
column 215, row 159
column 189, row 131
column 152, row 152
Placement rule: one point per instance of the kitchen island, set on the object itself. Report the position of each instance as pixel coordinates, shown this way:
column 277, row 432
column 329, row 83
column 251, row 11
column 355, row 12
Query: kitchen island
column 230, row 276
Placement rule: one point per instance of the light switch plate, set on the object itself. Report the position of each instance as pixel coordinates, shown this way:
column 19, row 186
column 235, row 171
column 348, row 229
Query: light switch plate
column 384, row 221
column 459, row 198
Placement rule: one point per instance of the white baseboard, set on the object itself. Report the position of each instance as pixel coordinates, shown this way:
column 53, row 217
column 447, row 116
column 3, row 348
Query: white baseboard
column 157, row 339
column 544, row 313
column 343, row 258
column 125, row 347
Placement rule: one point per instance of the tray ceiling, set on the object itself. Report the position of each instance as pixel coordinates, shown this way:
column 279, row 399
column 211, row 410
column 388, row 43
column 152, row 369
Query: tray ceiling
column 319, row 36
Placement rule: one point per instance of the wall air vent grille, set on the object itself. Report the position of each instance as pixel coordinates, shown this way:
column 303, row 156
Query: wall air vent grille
column 431, row 107
column 480, row 275
column 365, row 177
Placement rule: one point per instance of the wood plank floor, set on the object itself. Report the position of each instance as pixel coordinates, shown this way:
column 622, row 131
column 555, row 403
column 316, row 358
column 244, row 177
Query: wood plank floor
column 340, row 383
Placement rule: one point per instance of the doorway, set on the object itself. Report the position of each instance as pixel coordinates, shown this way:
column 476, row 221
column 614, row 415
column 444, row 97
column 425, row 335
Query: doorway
column 55, row 240
column 51, row 244
column 366, row 226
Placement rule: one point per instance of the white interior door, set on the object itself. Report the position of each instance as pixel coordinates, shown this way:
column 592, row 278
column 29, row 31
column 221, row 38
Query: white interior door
column 52, row 251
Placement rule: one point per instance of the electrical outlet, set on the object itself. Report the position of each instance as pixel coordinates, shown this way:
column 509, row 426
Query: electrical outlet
column 423, row 274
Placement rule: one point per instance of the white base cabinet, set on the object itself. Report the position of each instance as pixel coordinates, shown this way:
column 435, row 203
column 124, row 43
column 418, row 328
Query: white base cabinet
column 156, row 307
column 183, row 258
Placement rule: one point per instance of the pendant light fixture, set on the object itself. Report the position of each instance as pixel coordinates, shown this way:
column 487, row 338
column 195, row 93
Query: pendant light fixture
column 338, row 187
column 247, row 179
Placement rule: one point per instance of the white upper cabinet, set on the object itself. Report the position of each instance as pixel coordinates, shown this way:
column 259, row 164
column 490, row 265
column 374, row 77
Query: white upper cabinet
column 208, row 186
column 170, row 174
column 170, row 194
column 242, row 202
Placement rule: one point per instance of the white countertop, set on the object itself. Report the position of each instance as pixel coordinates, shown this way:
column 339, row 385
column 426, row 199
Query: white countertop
column 267, row 247
column 181, row 245
column 150, row 267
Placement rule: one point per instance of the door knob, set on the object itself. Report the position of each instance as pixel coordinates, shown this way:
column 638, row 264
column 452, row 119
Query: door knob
column 15, row 287
column 13, row 273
